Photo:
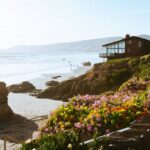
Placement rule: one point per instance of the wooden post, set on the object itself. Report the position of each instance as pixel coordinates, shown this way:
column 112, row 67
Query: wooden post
column 4, row 144
column 106, row 51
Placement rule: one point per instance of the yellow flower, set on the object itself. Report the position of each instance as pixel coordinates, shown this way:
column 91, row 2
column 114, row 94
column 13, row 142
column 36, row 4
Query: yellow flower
column 92, row 122
column 61, row 114
column 69, row 146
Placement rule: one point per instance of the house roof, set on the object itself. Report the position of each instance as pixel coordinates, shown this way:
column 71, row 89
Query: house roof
column 131, row 37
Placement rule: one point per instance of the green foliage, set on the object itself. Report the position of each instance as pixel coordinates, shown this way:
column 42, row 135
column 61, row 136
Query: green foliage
column 115, row 61
column 134, row 61
column 60, row 141
column 144, row 71
column 119, row 76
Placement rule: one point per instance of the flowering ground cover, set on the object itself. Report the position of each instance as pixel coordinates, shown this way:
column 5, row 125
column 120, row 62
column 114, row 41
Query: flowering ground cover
column 99, row 114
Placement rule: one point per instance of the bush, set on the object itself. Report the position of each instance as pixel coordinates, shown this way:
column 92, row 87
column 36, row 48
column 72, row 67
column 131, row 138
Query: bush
column 60, row 141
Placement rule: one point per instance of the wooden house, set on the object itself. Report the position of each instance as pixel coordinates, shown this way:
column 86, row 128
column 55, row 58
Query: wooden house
column 129, row 46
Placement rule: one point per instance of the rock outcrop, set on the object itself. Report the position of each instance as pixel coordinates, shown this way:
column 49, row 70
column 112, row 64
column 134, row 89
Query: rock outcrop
column 88, row 63
column 52, row 83
column 5, row 110
column 24, row 87
column 56, row 77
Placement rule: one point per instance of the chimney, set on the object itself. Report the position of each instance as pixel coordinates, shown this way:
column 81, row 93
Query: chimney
column 127, row 36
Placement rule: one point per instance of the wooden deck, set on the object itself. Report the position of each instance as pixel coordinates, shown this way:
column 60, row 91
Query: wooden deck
column 112, row 55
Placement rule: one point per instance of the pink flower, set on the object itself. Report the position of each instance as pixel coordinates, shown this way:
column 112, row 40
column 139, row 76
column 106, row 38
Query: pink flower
column 98, row 118
column 87, row 97
column 99, row 125
column 89, row 127
column 79, row 125
column 46, row 129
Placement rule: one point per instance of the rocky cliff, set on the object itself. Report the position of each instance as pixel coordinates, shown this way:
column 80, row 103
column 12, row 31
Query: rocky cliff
column 5, row 110
column 102, row 77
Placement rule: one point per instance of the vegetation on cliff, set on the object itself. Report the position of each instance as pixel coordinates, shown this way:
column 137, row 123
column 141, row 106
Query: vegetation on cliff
column 102, row 77
column 85, row 117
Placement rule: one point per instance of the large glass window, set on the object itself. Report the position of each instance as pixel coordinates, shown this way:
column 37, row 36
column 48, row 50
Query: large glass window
column 116, row 47
column 122, row 44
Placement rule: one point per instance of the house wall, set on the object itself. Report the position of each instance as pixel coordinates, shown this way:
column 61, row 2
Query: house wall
column 146, row 47
column 136, row 47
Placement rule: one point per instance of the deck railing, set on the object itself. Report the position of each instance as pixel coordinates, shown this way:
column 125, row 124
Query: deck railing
column 105, row 55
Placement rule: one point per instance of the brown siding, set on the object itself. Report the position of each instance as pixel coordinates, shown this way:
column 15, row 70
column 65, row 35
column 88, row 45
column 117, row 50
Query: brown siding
column 136, row 47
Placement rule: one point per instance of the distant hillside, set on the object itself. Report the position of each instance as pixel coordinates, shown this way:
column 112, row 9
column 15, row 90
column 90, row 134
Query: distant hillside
column 145, row 36
column 79, row 46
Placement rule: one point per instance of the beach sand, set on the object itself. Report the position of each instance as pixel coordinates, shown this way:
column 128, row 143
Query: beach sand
column 31, row 114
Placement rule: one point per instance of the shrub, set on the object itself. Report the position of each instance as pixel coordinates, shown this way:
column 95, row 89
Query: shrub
column 60, row 141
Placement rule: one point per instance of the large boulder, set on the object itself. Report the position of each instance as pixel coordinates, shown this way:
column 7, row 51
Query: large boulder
column 23, row 87
column 88, row 63
column 5, row 110
column 52, row 83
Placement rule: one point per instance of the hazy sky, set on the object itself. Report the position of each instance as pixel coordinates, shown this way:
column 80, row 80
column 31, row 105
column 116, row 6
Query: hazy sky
column 51, row 21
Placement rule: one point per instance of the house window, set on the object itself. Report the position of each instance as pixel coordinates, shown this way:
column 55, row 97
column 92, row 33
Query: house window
column 118, row 47
column 140, row 44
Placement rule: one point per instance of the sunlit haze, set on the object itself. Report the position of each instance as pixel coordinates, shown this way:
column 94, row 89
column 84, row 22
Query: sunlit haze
column 32, row 22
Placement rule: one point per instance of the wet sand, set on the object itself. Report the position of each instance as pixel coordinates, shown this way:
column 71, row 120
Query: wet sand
column 39, row 83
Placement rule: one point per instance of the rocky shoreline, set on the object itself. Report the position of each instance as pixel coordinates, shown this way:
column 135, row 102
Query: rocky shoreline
column 5, row 110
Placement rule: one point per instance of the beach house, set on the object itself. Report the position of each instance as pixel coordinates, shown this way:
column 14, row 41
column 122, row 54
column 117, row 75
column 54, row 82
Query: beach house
column 129, row 46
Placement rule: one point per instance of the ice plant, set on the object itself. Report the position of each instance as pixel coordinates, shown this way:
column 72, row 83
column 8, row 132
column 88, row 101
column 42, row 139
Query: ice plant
column 101, row 113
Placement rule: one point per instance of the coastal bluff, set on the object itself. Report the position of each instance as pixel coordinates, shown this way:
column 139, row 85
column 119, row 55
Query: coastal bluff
column 5, row 110
column 103, row 77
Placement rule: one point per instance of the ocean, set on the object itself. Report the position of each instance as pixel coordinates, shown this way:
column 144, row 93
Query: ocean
column 18, row 67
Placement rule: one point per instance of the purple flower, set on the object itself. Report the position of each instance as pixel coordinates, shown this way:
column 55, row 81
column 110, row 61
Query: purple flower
column 86, row 97
column 98, row 118
column 89, row 127
column 74, row 103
